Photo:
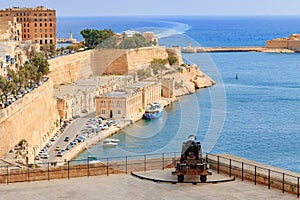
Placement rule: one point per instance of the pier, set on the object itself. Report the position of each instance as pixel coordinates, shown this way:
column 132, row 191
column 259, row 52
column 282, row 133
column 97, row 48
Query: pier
column 190, row 49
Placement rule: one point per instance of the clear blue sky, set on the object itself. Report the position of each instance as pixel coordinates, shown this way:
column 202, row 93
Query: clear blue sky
column 162, row 7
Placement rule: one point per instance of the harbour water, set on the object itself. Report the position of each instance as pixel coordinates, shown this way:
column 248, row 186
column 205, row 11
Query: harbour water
column 256, row 116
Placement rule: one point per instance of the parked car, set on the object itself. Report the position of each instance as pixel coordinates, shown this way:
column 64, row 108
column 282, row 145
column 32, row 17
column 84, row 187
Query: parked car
column 67, row 138
column 59, row 154
column 57, row 148
column 45, row 156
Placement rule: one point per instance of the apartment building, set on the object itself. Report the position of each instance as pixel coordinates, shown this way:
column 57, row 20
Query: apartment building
column 38, row 24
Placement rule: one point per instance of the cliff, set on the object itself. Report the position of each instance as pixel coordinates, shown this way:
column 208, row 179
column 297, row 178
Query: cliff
column 187, row 80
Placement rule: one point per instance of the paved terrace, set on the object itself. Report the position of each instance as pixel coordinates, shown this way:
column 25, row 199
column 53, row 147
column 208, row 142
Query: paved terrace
column 128, row 187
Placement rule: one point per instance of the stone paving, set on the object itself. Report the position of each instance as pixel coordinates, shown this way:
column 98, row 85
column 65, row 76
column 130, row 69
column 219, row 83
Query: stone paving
column 128, row 187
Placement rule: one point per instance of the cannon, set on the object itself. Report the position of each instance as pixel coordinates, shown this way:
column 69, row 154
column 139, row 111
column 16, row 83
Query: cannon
column 191, row 161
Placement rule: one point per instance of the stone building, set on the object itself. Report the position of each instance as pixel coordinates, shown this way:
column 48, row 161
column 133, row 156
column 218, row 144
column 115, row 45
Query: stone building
column 11, row 56
column 150, row 37
column 128, row 103
column 119, row 105
column 38, row 24
column 151, row 91
column 292, row 43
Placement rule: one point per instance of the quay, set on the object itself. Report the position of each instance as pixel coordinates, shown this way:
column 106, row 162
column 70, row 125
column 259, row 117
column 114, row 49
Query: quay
column 190, row 49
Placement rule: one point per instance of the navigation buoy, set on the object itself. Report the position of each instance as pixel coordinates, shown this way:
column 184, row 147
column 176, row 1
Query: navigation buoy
column 236, row 76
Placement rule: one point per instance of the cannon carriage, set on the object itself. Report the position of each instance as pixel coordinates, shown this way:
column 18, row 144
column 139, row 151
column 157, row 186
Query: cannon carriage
column 191, row 161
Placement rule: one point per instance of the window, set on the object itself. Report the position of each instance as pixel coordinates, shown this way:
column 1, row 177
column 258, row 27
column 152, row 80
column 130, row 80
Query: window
column 46, row 35
column 24, row 24
column 119, row 112
column 35, row 20
column 50, row 20
column 27, row 24
column 41, row 30
column 24, row 30
column 51, row 35
column 45, row 30
column 41, row 24
column 35, row 25
column 50, row 30
column 119, row 104
column 35, row 30
column 110, row 103
column 28, row 36
column 35, row 35
column 45, row 24
column 51, row 41
column 24, row 36
column 102, row 103
column 50, row 24
column 102, row 111
column 41, row 41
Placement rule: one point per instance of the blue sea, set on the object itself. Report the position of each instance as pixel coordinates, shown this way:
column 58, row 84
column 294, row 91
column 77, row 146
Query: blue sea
column 256, row 116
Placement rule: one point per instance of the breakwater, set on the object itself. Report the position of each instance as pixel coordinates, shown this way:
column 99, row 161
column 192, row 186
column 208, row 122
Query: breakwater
column 190, row 49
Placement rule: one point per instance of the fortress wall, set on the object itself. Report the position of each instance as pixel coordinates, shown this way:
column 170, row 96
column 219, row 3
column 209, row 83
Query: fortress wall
column 67, row 69
column 145, row 55
column 109, row 61
column 277, row 44
column 175, row 51
column 294, row 45
column 30, row 118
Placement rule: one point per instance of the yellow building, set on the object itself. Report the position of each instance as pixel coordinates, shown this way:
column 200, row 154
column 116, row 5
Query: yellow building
column 129, row 103
column 119, row 105
column 151, row 91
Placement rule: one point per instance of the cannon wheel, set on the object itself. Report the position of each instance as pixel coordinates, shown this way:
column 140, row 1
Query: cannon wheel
column 203, row 178
column 180, row 178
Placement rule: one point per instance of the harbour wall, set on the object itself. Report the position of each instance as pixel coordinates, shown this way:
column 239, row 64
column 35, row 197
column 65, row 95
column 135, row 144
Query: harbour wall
column 235, row 49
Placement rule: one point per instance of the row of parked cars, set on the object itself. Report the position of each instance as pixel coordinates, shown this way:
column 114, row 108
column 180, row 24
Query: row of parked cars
column 43, row 153
column 12, row 98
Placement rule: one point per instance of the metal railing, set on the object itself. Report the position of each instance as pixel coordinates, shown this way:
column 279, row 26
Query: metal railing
column 258, row 174
column 94, row 166
column 91, row 166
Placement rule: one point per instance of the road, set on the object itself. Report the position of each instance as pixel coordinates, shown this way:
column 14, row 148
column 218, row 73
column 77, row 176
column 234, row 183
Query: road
column 71, row 131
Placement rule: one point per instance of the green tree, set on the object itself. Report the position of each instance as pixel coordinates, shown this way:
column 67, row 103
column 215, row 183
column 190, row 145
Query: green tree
column 172, row 59
column 93, row 38
column 6, row 87
column 49, row 50
column 40, row 62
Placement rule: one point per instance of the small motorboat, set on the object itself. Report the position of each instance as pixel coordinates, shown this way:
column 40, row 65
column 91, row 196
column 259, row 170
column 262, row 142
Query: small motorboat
column 110, row 144
column 111, row 140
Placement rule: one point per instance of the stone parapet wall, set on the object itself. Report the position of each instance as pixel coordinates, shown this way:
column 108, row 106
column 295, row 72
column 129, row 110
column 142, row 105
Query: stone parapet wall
column 32, row 118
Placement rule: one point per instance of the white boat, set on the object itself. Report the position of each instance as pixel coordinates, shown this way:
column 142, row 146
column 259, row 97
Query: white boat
column 110, row 144
column 111, row 140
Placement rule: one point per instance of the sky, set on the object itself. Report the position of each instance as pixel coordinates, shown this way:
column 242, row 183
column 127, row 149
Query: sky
column 161, row 7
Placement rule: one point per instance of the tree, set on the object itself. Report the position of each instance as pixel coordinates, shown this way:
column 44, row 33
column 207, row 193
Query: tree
column 172, row 59
column 6, row 87
column 40, row 62
column 93, row 38
column 49, row 50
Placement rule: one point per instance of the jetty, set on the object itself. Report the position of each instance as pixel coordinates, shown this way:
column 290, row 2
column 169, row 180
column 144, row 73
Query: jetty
column 190, row 49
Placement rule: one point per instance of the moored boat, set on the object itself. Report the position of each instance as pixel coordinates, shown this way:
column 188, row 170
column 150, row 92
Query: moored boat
column 153, row 111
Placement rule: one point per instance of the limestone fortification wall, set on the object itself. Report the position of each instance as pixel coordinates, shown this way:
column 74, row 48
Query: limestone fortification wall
column 67, row 69
column 30, row 118
column 145, row 55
